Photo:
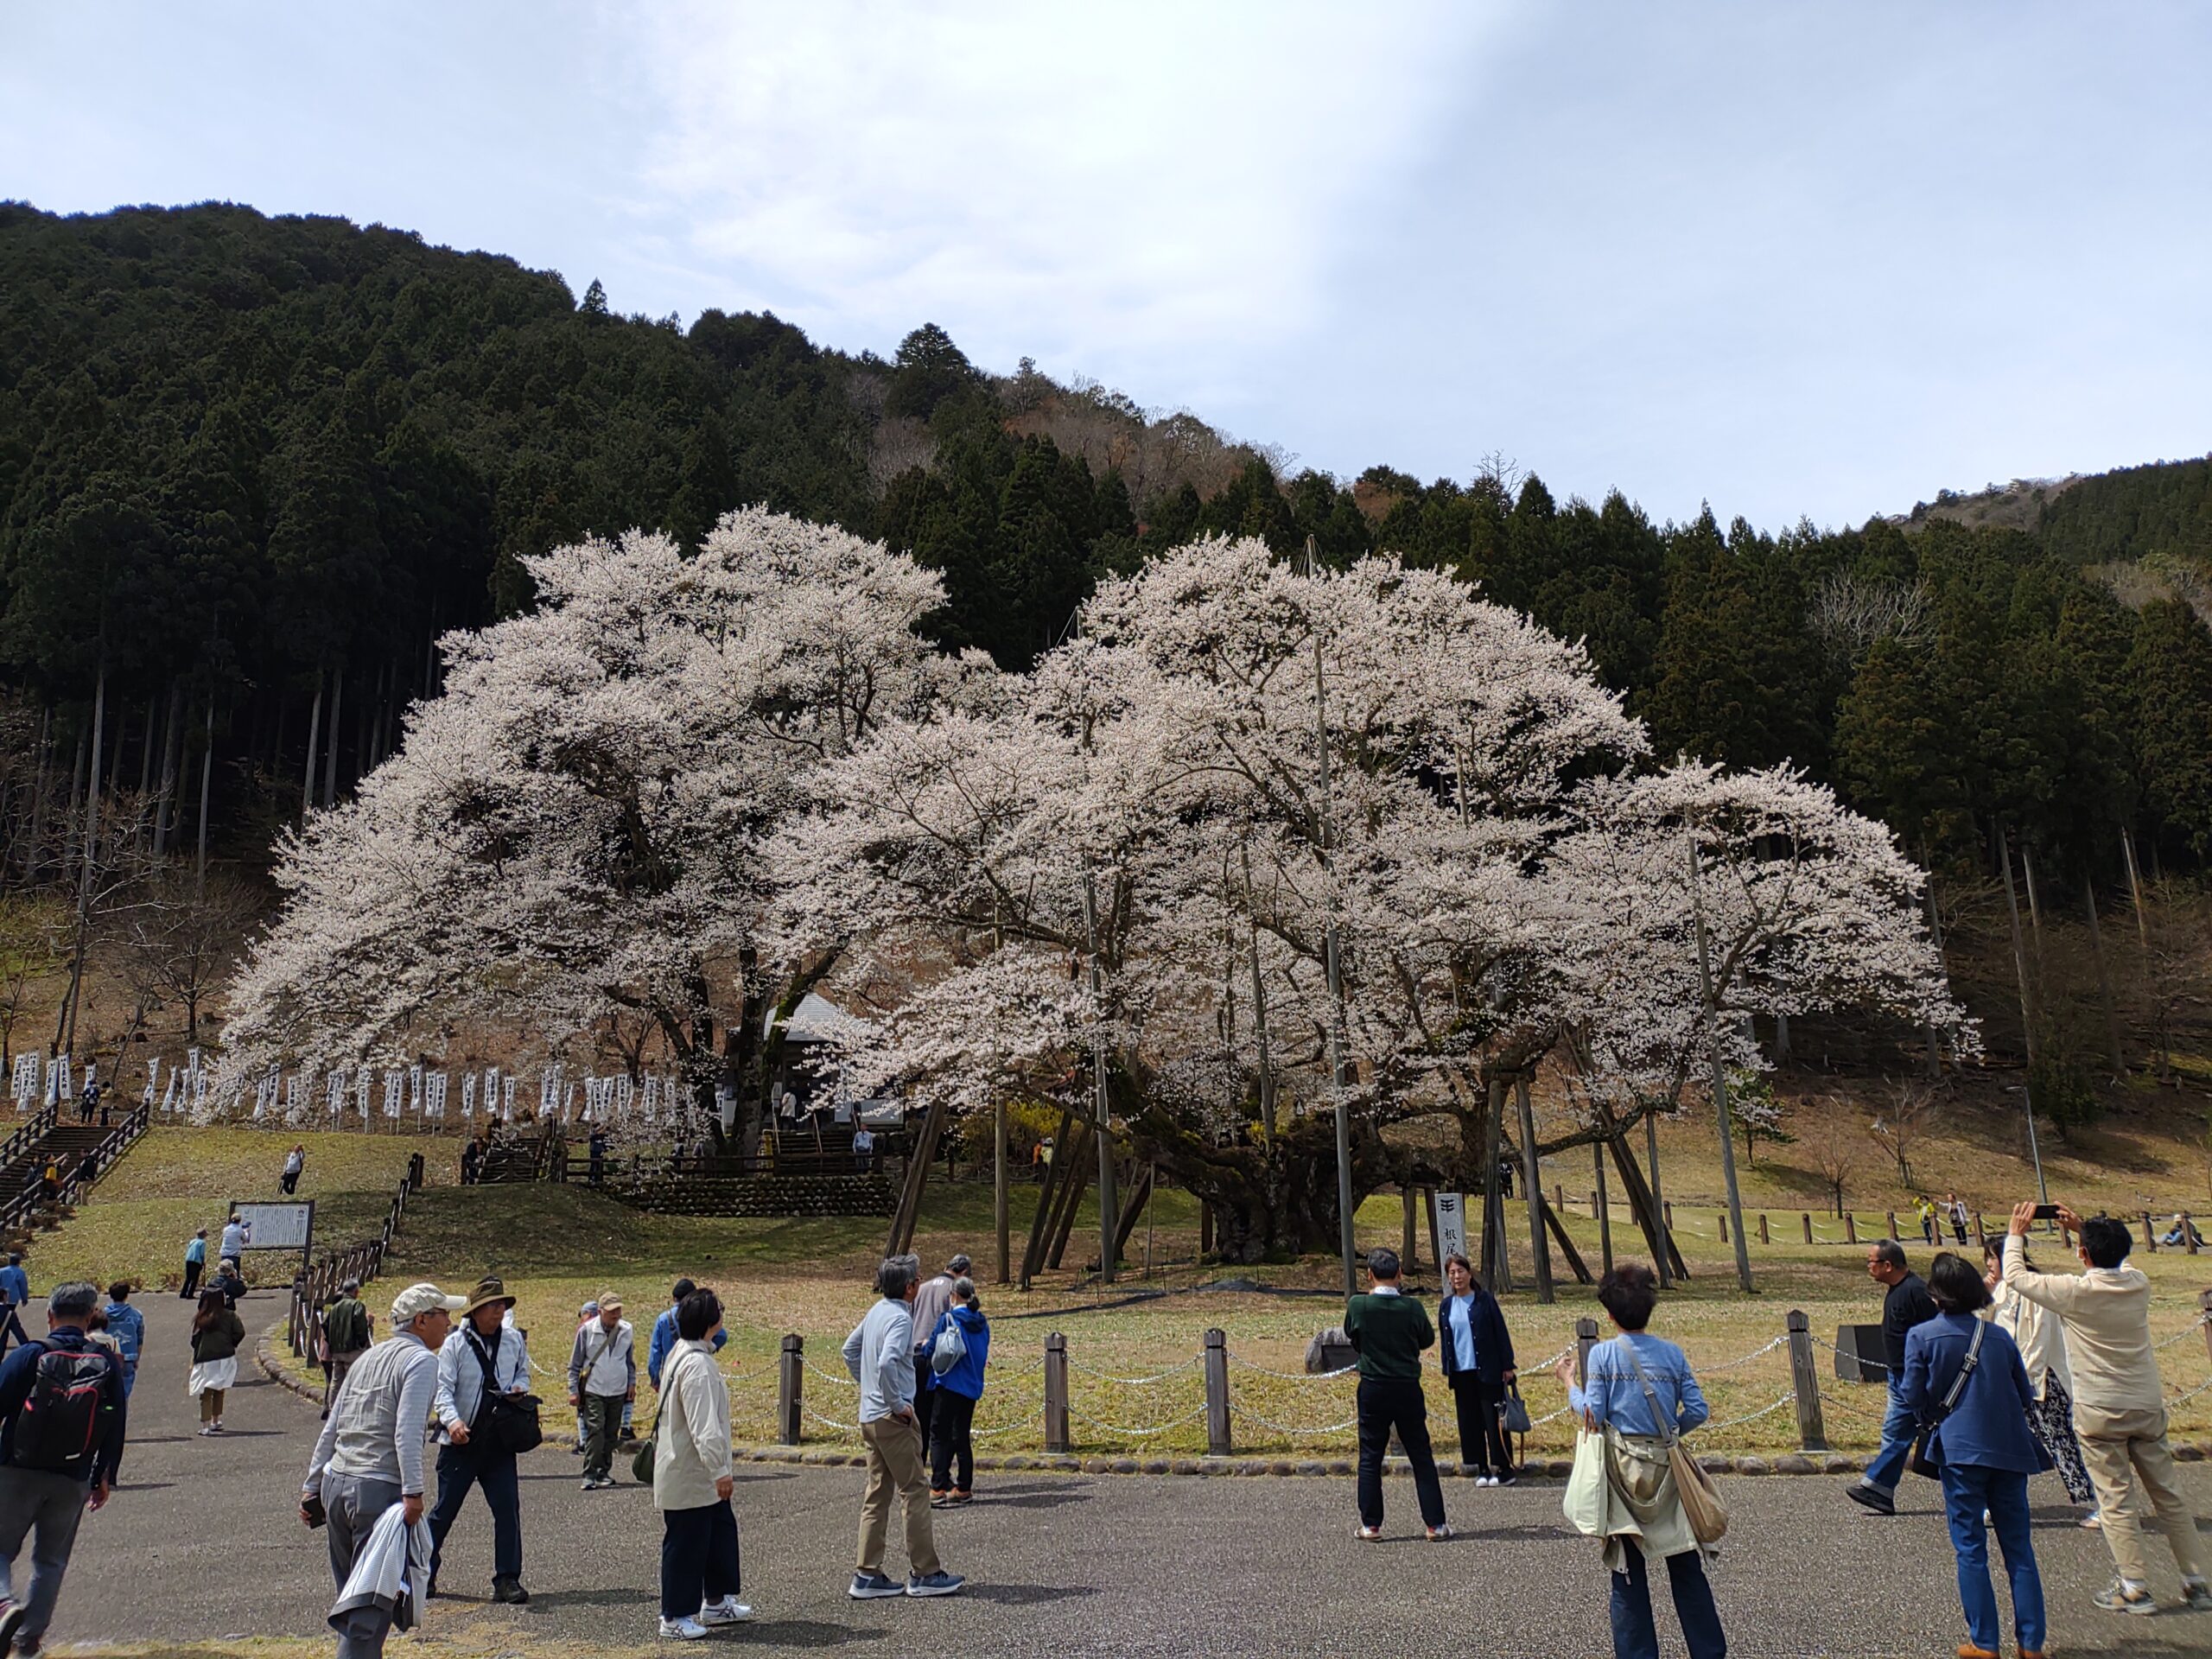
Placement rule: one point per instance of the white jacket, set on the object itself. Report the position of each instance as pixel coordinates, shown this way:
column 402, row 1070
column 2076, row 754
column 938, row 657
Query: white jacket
column 2037, row 1332
column 691, row 1435
column 460, row 1375
column 387, row 1569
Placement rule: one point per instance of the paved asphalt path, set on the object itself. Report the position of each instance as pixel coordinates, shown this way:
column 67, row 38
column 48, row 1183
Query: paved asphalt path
column 203, row 1541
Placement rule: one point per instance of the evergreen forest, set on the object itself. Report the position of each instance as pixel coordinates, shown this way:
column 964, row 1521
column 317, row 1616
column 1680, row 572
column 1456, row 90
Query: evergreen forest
column 251, row 467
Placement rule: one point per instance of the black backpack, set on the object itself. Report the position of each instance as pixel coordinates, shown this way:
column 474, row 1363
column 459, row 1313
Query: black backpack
column 64, row 1416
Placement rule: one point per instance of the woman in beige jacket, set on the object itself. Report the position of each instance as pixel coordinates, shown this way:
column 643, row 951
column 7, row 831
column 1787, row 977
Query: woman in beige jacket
column 692, row 1479
column 2037, row 1332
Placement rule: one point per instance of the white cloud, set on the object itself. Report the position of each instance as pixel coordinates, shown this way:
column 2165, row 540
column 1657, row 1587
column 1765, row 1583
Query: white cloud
column 1041, row 179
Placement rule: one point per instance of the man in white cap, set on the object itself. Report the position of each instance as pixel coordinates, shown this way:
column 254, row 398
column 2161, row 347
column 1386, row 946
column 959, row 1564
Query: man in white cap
column 370, row 1454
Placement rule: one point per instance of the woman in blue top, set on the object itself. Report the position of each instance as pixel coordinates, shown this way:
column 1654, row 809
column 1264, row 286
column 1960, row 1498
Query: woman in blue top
column 1986, row 1448
column 1653, row 1521
column 952, row 1417
column 1477, row 1355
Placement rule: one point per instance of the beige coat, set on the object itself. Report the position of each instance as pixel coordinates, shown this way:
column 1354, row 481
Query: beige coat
column 691, row 1435
column 2036, row 1331
column 2106, row 1314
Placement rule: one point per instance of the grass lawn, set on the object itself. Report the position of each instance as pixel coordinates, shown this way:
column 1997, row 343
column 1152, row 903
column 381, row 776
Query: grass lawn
column 1133, row 1365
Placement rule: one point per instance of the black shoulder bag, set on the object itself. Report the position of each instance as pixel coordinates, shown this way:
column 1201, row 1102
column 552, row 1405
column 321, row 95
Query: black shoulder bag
column 510, row 1419
column 1925, row 1459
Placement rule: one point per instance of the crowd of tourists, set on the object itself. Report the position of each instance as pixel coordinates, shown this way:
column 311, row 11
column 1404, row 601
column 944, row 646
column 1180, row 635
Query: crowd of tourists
column 1997, row 1371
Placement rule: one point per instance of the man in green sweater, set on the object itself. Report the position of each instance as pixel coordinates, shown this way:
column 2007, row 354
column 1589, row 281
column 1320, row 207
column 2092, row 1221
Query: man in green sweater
column 1389, row 1329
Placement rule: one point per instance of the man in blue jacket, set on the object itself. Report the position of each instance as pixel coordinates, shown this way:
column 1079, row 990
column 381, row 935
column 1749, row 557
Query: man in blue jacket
column 665, row 1332
column 47, row 1479
column 14, row 1296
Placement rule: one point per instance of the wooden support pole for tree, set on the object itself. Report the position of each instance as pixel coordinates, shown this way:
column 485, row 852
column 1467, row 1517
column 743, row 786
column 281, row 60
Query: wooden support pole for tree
column 1605, row 1210
column 1720, row 1076
column 2030, row 1012
column 917, row 1169
column 1071, row 1201
column 1032, row 1259
column 1410, row 1252
column 1533, row 1183
column 1139, row 1205
column 1805, row 1383
column 1552, row 1219
column 1216, row 1370
column 2115, row 1054
column 1002, row 1194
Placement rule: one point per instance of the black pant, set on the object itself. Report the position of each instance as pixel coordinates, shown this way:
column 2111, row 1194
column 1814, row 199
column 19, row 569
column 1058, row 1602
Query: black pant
column 1395, row 1403
column 290, row 1184
column 485, row 1466
column 951, row 1421
column 191, row 1272
column 698, row 1558
column 924, row 1405
column 12, row 1325
column 1482, row 1441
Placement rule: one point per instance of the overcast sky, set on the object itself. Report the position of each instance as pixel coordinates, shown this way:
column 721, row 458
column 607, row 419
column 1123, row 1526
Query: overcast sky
column 1792, row 260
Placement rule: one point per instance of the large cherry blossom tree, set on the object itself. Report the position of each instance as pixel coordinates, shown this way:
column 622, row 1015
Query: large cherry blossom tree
column 573, row 829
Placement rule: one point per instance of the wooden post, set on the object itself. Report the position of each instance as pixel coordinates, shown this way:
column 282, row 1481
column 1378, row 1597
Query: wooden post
column 1851, row 1228
column 1724, row 1226
column 1217, row 1441
column 1206, row 1227
column 1806, row 1215
column 1532, row 1186
column 1409, row 1257
column 1586, row 1339
column 790, row 1380
column 1893, row 1224
column 1056, row 1393
column 1002, row 1194
column 1667, row 1207
column 1805, row 1383
column 2150, row 1235
column 1765, row 1237
column 2204, row 1306
column 1980, row 1232
column 2188, row 1233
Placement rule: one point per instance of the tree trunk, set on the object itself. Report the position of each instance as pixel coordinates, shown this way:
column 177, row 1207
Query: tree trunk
column 85, row 871
column 330, row 749
column 207, row 775
column 315, row 731
column 171, row 742
column 2113, row 1052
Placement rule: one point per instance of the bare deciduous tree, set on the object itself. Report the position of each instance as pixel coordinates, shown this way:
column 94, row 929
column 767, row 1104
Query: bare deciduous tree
column 179, row 939
column 1896, row 1131
column 1835, row 1150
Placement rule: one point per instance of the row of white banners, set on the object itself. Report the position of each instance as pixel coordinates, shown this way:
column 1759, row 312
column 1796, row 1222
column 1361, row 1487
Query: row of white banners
column 401, row 1091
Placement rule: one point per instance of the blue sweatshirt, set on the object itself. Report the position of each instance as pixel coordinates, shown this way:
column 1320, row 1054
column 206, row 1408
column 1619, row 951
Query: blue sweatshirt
column 965, row 1379
column 663, row 1342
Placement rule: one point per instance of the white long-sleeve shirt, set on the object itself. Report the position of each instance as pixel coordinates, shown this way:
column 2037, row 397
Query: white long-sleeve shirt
column 460, row 1376
column 880, row 1355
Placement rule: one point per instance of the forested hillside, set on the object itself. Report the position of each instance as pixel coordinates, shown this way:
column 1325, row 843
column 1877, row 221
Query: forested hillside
column 251, row 467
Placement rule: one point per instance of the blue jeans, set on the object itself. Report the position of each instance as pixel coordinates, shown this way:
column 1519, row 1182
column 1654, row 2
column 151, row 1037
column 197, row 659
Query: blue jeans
column 1899, row 1425
column 1968, row 1490
column 1635, row 1634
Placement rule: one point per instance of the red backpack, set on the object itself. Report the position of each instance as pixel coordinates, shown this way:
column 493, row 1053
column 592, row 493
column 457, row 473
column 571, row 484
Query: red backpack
column 64, row 1416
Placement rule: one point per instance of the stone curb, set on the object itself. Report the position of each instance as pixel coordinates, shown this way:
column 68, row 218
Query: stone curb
column 265, row 1357
column 1547, row 1469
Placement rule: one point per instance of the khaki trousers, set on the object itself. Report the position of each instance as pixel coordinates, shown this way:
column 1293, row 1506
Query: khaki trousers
column 894, row 1465
column 2121, row 1447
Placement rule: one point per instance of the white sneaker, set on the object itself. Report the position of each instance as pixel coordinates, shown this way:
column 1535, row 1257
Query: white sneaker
column 1487, row 1480
column 681, row 1630
column 729, row 1611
